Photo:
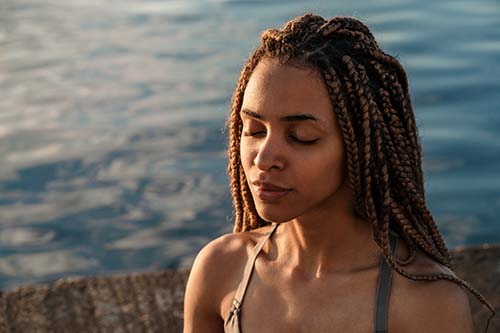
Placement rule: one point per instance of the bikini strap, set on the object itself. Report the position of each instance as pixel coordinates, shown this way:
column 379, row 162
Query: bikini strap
column 242, row 287
column 232, row 322
column 384, row 288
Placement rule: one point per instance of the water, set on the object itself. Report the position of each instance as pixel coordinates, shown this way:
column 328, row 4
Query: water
column 111, row 117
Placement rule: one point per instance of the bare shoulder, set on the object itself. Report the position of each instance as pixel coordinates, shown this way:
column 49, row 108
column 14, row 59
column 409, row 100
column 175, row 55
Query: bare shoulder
column 429, row 306
column 215, row 272
column 224, row 255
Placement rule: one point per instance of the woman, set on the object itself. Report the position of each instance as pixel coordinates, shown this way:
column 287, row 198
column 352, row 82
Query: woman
column 326, row 176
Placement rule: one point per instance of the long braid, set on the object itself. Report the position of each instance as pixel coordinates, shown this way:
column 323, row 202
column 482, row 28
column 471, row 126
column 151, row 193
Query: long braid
column 379, row 125
column 370, row 94
column 235, row 129
column 348, row 134
column 419, row 196
column 375, row 114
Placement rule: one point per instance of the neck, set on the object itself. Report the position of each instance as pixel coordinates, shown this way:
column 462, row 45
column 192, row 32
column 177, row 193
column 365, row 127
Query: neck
column 329, row 241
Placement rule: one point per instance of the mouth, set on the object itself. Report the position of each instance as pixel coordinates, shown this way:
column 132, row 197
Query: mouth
column 270, row 192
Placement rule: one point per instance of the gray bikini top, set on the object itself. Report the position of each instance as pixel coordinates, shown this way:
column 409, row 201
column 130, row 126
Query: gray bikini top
column 232, row 321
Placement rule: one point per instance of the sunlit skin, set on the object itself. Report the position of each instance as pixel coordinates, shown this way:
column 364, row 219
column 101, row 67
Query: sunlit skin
column 319, row 232
column 318, row 272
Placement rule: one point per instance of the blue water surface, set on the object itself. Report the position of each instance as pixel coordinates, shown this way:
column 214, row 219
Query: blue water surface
column 111, row 117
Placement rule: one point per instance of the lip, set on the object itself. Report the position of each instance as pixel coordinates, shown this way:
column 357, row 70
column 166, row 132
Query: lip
column 270, row 192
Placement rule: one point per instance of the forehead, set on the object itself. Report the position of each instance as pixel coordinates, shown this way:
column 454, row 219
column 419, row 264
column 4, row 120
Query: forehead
column 276, row 90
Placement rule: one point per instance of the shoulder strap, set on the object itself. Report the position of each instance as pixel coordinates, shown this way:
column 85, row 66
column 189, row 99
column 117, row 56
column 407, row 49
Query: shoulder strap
column 232, row 324
column 240, row 292
column 384, row 288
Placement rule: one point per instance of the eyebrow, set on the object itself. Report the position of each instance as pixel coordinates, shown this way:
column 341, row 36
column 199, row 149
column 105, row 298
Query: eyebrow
column 290, row 118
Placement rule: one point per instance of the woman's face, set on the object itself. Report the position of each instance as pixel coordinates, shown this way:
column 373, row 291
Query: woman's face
column 290, row 140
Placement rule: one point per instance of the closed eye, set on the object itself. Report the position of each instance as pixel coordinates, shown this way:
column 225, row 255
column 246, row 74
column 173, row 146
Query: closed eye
column 252, row 134
column 305, row 142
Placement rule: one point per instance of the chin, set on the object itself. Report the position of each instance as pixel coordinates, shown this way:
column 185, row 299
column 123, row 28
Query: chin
column 275, row 216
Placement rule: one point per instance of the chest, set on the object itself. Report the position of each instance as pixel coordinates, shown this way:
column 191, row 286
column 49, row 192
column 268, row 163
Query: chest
column 337, row 304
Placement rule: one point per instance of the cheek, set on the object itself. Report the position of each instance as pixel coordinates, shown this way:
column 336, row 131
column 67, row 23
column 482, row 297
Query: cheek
column 325, row 170
column 246, row 154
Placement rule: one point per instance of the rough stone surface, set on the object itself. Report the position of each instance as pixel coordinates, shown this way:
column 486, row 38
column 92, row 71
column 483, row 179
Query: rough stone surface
column 153, row 302
column 480, row 266
column 146, row 302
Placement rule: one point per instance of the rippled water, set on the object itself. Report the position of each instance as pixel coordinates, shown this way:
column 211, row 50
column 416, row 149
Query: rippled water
column 111, row 117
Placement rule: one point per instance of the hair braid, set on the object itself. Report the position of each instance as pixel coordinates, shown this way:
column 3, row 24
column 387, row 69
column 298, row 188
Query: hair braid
column 353, row 167
column 234, row 169
column 366, row 128
column 380, row 124
column 389, row 83
column 369, row 92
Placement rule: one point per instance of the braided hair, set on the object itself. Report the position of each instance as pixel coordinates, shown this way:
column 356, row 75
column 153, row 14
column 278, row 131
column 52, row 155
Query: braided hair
column 369, row 90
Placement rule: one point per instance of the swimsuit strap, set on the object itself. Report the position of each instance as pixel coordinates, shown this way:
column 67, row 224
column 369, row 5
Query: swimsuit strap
column 240, row 292
column 232, row 320
column 384, row 288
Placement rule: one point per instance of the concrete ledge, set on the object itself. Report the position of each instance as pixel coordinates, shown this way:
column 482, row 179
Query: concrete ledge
column 153, row 302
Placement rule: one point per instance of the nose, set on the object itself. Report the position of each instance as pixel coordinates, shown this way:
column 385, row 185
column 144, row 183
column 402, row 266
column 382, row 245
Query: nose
column 269, row 154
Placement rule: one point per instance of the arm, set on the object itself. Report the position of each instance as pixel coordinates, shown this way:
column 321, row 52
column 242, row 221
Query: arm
column 442, row 306
column 200, row 301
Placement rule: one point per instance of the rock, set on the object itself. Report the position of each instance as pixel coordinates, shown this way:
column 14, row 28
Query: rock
column 147, row 302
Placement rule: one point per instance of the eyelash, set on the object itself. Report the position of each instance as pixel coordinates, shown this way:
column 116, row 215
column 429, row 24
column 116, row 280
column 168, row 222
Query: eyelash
column 309, row 142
